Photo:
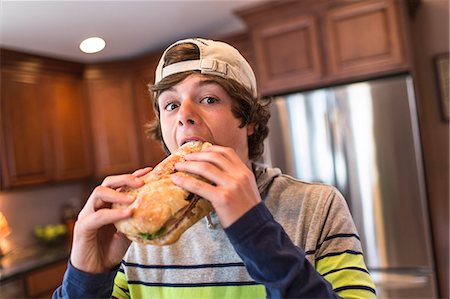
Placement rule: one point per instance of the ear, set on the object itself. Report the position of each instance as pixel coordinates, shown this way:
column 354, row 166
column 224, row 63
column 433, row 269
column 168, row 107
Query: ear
column 250, row 129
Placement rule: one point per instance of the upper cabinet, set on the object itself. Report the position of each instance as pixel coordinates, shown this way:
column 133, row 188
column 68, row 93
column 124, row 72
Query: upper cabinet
column 25, row 146
column 44, row 129
column 363, row 38
column 120, row 108
column 69, row 127
column 152, row 152
column 288, row 52
column 309, row 43
column 113, row 122
column 62, row 120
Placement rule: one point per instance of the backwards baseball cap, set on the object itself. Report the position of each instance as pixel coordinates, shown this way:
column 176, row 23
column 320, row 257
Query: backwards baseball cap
column 216, row 58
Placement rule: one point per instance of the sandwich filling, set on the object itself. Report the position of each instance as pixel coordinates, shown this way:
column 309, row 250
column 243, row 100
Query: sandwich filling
column 172, row 223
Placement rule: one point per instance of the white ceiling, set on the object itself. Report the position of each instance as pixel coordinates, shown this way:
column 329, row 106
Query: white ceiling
column 130, row 28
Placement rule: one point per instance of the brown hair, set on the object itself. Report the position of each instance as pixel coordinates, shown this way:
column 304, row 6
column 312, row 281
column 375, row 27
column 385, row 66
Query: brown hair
column 248, row 109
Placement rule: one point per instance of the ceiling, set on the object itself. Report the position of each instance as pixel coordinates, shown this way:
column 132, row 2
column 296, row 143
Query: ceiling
column 130, row 28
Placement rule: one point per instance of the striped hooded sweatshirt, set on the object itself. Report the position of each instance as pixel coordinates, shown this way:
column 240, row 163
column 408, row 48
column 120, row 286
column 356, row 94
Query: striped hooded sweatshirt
column 299, row 242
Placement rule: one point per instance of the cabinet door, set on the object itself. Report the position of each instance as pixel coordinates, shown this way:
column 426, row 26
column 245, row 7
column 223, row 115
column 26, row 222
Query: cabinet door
column 70, row 135
column 151, row 150
column 287, row 54
column 25, row 140
column 42, row 283
column 363, row 38
column 114, row 130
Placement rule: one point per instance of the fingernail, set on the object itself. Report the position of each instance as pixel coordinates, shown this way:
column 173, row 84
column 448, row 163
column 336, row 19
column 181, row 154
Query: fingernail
column 128, row 211
column 175, row 177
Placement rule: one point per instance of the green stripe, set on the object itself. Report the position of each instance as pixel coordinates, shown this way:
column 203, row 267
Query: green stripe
column 357, row 294
column 351, row 271
column 225, row 292
column 124, row 290
column 120, row 286
column 349, row 277
column 340, row 261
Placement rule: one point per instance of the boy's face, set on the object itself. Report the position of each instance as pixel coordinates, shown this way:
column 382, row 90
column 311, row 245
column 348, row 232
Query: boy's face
column 197, row 108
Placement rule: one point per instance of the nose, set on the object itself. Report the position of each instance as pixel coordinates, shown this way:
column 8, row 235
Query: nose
column 187, row 114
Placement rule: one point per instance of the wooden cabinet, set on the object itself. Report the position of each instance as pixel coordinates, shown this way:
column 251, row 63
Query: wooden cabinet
column 44, row 133
column 363, row 38
column 14, row 288
column 152, row 152
column 113, row 122
column 311, row 43
column 25, row 147
column 69, row 127
column 41, row 283
column 62, row 120
column 280, row 63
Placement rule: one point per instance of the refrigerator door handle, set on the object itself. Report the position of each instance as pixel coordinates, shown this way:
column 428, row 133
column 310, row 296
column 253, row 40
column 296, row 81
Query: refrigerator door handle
column 398, row 281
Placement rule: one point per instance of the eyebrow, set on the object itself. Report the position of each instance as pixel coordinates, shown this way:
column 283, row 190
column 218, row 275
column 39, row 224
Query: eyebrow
column 207, row 82
column 199, row 84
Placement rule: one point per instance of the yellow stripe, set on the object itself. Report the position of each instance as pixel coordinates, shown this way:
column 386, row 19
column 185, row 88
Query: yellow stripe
column 225, row 292
column 120, row 283
column 340, row 261
column 347, row 277
column 142, row 291
column 357, row 294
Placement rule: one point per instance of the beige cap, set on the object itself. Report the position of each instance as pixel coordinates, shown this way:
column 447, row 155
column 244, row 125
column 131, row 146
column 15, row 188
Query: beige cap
column 216, row 58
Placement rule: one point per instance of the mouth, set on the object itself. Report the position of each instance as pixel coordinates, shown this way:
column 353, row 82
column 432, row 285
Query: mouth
column 191, row 139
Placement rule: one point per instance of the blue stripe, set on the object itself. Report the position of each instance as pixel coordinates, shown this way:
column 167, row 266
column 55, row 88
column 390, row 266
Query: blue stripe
column 355, row 287
column 192, row 285
column 348, row 235
column 201, row 266
column 346, row 268
column 338, row 253
column 123, row 289
column 341, row 236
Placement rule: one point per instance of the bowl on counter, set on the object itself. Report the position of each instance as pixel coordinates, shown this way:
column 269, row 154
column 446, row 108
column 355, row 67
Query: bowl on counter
column 51, row 234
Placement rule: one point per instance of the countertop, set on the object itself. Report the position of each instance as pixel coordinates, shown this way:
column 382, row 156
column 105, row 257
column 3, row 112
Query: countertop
column 22, row 260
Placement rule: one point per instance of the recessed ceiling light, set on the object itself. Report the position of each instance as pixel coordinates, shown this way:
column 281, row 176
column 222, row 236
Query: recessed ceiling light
column 92, row 45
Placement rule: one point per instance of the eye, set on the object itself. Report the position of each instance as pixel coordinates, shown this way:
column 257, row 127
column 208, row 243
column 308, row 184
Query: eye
column 171, row 106
column 209, row 100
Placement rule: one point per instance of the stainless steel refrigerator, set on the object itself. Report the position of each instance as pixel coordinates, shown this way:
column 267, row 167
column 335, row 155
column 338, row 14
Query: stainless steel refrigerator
column 364, row 139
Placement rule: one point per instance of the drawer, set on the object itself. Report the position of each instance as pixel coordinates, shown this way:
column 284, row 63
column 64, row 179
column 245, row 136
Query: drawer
column 45, row 280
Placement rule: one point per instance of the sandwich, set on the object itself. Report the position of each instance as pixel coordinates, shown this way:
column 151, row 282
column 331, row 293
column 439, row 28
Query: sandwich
column 162, row 211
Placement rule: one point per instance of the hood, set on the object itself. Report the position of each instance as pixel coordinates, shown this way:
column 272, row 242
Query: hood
column 264, row 176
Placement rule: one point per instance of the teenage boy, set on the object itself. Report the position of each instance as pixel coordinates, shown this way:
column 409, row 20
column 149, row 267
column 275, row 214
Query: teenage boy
column 272, row 235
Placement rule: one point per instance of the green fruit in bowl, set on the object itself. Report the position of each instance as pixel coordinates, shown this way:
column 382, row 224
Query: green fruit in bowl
column 50, row 233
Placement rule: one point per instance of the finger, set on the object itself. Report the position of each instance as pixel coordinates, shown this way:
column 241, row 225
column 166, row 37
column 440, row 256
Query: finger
column 103, row 197
column 117, row 181
column 214, row 158
column 104, row 217
column 194, row 185
column 139, row 174
column 142, row 171
column 227, row 152
column 223, row 157
column 205, row 170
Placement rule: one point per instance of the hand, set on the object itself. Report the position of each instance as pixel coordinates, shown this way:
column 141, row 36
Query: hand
column 232, row 189
column 97, row 247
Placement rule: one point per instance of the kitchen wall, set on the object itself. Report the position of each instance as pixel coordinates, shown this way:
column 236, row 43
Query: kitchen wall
column 430, row 35
column 26, row 208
